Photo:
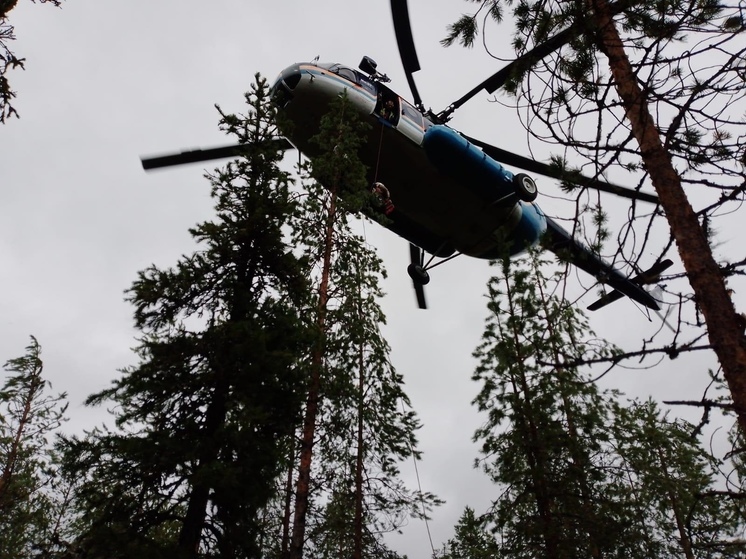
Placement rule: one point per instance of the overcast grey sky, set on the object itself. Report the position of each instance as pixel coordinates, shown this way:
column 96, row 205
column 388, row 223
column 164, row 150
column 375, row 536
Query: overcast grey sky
column 108, row 81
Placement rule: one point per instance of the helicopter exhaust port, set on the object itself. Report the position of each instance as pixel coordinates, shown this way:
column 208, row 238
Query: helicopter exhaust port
column 525, row 187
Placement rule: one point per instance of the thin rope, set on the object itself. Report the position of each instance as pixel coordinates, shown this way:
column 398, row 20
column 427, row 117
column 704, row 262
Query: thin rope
column 409, row 442
column 378, row 157
column 419, row 487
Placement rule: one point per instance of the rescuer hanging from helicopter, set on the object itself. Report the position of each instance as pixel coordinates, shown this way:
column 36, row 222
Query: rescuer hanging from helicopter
column 380, row 190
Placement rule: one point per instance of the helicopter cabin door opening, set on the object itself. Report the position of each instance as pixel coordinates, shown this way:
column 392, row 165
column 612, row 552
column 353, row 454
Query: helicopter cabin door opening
column 388, row 106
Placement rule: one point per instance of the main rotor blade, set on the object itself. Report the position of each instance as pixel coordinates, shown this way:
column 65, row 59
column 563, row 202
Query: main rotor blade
column 405, row 42
column 566, row 247
column 533, row 166
column 523, row 62
column 527, row 60
column 198, row 155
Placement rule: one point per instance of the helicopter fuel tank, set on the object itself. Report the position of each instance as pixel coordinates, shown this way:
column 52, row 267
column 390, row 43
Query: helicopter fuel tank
column 456, row 157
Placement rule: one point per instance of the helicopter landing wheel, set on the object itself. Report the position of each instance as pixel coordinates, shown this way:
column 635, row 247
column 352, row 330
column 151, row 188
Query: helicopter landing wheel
column 525, row 187
column 418, row 274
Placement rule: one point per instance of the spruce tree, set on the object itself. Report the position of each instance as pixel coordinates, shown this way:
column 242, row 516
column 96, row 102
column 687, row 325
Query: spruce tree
column 669, row 484
column 204, row 418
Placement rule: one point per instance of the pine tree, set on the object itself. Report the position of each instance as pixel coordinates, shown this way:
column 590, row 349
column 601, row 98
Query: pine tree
column 627, row 88
column 470, row 540
column 356, row 428
column 554, row 423
column 669, row 486
column 28, row 416
column 204, row 419
column 579, row 475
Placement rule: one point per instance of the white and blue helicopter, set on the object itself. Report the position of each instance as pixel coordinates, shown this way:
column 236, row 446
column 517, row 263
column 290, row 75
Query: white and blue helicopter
column 444, row 192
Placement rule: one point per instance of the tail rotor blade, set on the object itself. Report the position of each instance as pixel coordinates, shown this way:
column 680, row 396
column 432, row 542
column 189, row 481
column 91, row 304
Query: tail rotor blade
column 650, row 275
column 562, row 243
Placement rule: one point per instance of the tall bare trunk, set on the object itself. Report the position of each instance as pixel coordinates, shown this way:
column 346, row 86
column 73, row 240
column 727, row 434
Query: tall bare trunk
column 357, row 552
column 312, row 402
column 725, row 327
column 536, row 452
column 285, row 543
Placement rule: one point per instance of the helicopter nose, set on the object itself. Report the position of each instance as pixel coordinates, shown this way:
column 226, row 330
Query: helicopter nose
column 291, row 76
column 282, row 90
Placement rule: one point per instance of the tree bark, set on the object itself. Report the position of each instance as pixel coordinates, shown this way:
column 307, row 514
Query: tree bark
column 357, row 552
column 302, row 488
column 9, row 468
column 725, row 327
column 194, row 520
column 285, row 543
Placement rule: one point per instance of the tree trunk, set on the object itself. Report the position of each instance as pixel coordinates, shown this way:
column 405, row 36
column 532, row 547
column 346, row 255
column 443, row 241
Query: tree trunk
column 579, row 464
column 534, row 447
column 725, row 327
column 194, row 520
column 685, row 542
column 285, row 543
column 357, row 552
column 35, row 384
column 312, row 402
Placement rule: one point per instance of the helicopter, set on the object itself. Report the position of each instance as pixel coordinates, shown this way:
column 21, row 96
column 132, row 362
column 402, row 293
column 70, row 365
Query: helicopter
column 446, row 193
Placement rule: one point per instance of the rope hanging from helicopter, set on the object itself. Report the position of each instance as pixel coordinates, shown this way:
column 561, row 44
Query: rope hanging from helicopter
column 378, row 156
column 382, row 191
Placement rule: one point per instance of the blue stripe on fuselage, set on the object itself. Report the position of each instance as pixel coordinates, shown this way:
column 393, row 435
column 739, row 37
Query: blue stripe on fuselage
column 454, row 156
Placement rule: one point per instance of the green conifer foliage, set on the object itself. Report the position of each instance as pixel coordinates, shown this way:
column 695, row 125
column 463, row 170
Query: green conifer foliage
column 669, row 485
column 28, row 416
column 358, row 427
column 470, row 540
column 655, row 87
column 8, row 60
column 202, row 421
column 578, row 474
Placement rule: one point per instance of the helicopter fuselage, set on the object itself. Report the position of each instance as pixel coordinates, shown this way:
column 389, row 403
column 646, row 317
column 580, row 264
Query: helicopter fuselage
column 447, row 195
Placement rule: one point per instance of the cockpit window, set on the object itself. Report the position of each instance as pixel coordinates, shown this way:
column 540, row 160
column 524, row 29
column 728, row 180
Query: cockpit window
column 350, row 75
column 344, row 72
column 413, row 114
